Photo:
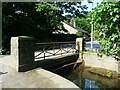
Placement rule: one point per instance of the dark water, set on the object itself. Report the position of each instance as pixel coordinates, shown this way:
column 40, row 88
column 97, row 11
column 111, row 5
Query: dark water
column 89, row 81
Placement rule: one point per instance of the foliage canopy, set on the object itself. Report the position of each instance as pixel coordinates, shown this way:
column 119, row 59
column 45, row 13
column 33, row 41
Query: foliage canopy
column 38, row 20
column 106, row 19
column 83, row 23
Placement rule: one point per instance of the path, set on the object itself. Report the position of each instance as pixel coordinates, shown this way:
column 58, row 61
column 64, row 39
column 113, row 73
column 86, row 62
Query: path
column 37, row 78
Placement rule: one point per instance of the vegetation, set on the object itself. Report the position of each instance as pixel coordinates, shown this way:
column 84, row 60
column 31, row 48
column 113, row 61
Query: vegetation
column 38, row 20
column 83, row 23
column 106, row 21
column 109, row 73
column 79, row 34
column 29, row 19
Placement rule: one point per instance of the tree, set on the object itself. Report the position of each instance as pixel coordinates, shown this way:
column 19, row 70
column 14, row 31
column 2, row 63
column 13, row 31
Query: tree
column 17, row 20
column 51, row 17
column 83, row 23
column 38, row 20
column 73, row 9
column 24, row 19
column 106, row 19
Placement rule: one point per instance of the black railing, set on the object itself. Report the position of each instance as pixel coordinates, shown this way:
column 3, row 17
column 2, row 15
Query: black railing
column 43, row 50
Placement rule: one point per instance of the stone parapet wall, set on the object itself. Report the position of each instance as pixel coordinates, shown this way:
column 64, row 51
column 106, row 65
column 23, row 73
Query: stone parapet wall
column 105, row 62
column 22, row 55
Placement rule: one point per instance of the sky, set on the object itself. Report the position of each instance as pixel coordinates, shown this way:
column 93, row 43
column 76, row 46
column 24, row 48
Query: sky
column 90, row 5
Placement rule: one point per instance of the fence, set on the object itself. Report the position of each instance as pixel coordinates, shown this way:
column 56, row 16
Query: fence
column 54, row 49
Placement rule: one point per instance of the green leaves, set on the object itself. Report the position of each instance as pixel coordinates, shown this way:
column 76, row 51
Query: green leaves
column 109, row 73
column 114, row 20
column 106, row 19
column 51, row 16
column 79, row 34
column 115, row 9
column 83, row 23
column 111, row 13
column 46, row 6
column 29, row 19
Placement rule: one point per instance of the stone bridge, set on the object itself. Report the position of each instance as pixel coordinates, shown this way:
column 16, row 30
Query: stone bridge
column 24, row 57
column 22, row 70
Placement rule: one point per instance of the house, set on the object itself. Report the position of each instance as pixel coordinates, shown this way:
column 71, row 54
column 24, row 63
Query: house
column 72, row 29
column 70, row 32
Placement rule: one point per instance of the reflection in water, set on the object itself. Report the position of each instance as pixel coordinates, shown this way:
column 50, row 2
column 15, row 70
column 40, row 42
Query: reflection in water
column 85, row 80
column 90, row 84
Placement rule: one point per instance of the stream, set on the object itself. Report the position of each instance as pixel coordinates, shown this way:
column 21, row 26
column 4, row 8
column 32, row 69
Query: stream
column 89, row 81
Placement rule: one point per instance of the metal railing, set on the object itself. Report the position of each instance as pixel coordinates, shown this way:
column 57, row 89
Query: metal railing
column 51, row 49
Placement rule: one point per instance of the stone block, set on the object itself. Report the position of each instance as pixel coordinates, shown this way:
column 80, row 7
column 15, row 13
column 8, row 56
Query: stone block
column 22, row 52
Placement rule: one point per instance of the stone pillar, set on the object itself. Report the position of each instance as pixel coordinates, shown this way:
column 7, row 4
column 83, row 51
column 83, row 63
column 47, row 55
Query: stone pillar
column 79, row 47
column 0, row 24
column 119, row 68
column 22, row 53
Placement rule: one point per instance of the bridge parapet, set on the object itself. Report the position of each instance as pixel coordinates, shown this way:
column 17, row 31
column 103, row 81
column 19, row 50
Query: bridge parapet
column 23, row 50
column 54, row 49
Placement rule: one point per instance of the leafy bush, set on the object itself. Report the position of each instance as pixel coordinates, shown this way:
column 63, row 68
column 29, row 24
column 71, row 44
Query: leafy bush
column 79, row 34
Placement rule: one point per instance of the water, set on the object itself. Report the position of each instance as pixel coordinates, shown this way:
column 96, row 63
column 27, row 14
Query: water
column 86, row 80
column 88, row 45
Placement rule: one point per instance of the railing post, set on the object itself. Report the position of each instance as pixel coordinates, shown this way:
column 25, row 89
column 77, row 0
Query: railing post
column 22, row 53
column 61, row 49
column 53, row 50
column 79, row 47
column 44, row 52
